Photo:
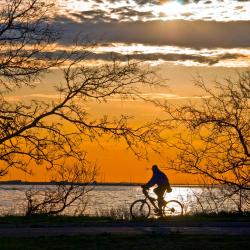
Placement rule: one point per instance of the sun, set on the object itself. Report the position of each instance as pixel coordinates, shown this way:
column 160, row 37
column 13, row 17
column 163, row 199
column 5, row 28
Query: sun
column 172, row 8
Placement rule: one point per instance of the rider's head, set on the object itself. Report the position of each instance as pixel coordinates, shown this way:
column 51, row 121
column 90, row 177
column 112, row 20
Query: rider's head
column 154, row 168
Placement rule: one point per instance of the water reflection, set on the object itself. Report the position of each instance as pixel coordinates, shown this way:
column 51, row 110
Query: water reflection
column 102, row 198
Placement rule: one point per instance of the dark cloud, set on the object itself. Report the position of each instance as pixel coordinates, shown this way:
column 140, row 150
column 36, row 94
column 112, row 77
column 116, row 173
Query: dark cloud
column 194, row 34
column 165, row 57
column 128, row 12
column 122, row 13
column 152, row 2
column 170, row 57
column 159, row 2
column 94, row 15
column 139, row 2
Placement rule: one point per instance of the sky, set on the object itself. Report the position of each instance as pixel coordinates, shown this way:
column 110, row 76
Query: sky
column 190, row 33
column 180, row 39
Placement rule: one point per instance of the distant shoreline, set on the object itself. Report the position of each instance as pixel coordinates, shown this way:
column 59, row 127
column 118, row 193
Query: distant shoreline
column 32, row 183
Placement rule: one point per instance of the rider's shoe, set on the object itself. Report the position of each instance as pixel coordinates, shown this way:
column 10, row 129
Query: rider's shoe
column 158, row 212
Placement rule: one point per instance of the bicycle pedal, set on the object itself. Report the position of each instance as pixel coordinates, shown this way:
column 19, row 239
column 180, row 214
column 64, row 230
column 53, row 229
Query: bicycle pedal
column 159, row 213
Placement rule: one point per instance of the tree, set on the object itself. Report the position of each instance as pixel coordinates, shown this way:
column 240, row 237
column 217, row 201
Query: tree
column 25, row 34
column 52, row 132
column 214, row 141
column 69, row 189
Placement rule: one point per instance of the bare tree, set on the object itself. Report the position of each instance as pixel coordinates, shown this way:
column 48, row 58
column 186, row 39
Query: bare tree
column 70, row 189
column 52, row 132
column 212, row 197
column 214, row 133
column 25, row 33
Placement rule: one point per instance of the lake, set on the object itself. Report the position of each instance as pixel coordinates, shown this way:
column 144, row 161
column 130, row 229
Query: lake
column 103, row 198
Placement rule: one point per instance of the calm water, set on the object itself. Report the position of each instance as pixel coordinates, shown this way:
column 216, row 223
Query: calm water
column 104, row 198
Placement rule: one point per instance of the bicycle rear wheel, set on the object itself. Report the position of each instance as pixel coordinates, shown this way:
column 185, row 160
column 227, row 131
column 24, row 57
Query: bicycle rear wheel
column 172, row 208
column 140, row 209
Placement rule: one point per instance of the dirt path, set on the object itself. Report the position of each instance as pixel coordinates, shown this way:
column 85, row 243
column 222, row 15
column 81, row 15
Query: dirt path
column 228, row 228
column 55, row 231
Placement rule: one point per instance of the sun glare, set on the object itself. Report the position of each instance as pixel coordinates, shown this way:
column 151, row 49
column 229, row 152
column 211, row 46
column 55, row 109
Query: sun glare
column 172, row 8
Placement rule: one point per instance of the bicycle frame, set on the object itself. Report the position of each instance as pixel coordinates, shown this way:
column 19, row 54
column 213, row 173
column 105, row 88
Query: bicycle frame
column 171, row 207
column 151, row 199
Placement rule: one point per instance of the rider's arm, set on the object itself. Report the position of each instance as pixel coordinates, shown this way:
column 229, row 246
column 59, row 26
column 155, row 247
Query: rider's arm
column 151, row 182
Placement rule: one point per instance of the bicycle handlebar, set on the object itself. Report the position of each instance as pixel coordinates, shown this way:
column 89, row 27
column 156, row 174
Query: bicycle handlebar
column 145, row 192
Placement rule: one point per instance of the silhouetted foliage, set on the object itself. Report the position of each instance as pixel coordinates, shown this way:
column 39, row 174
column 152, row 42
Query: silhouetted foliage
column 25, row 33
column 214, row 133
column 70, row 190
column 51, row 132
column 215, row 199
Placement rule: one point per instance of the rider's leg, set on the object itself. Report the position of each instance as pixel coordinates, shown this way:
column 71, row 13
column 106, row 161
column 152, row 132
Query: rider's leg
column 159, row 191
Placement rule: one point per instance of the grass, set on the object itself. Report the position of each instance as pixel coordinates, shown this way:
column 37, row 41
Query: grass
column 61, row 219
column 122, row 242
column 222, row 216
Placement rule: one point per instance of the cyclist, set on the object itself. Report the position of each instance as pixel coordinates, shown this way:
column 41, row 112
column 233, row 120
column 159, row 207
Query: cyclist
column 161, row 180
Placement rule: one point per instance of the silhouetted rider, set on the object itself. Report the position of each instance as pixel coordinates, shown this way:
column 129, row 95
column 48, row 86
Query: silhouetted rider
column 161, row 180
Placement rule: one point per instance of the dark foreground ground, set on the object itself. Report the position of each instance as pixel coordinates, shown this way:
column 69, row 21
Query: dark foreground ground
column 122, row 242
column 221, row 232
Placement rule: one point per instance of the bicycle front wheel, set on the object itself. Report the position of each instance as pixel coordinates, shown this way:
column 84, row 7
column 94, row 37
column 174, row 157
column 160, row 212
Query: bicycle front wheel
column 140, row 209
column 173, row 208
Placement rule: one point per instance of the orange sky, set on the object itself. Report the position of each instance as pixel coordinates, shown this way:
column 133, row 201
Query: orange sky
column 115, row 163
column 179, row 39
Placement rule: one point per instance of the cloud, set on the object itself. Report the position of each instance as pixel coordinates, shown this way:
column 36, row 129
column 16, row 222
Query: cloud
column 160, row 2
column 149, row 96
column 193, row 34
column 157, row 10
column 15, row 98
column 129, row 12
column 122, row 13
column 180, row 1
column 159, row 96
column 168, row 96
column 210, row 59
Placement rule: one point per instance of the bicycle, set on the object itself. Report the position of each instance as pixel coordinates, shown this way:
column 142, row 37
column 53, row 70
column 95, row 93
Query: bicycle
column 141, row 208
